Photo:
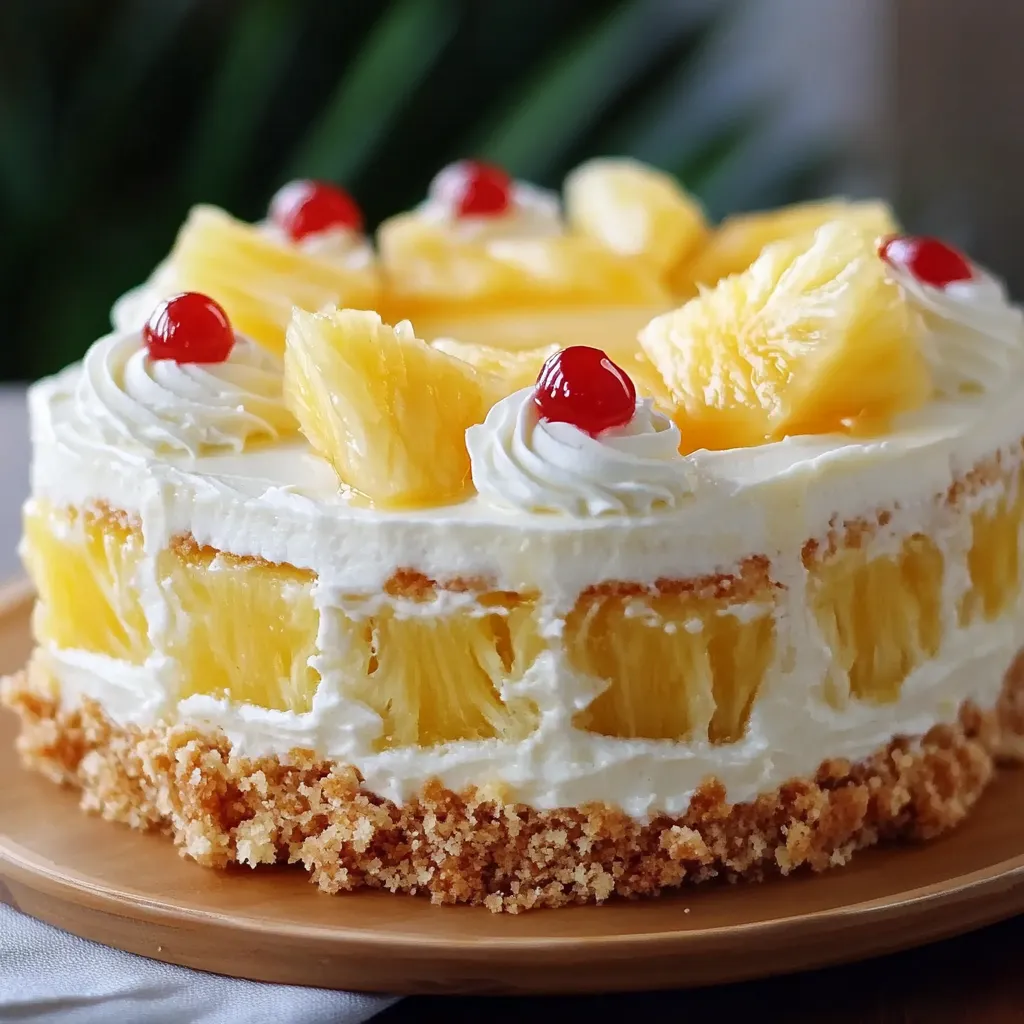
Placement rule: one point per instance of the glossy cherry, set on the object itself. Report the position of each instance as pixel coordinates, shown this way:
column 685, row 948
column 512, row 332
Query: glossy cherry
column 582, row 386
column 303, row 208
column 471, row 188
column 928, row 259
column 189, row 328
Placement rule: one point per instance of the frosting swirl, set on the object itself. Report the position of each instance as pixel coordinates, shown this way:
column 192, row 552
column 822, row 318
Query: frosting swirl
column 534, row 212
column 974, row 335
column 137, row 402
column 532, row 465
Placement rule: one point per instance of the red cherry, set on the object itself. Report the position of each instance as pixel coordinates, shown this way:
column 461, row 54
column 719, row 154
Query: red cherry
column 303, row 208
column 189, row 328
column 582, row 386
column 929, row 260
column 473, row 189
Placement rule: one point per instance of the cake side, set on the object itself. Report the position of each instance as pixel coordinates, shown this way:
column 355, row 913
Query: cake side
column 632, row 696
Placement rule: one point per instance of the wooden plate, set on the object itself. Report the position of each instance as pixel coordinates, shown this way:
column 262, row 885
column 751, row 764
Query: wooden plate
column 131, row 890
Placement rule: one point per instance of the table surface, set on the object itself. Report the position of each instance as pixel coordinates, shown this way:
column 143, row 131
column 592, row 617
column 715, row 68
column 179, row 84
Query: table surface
column 975, row 979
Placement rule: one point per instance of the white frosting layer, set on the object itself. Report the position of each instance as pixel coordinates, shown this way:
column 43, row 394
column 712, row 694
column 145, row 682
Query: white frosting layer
column 533, row 213
column 127, row 400
column 524, row 463
column 974, row 335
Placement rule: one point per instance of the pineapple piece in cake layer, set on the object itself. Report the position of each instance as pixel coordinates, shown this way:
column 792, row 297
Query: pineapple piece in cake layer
column 241, row 629
column 83, row 566
column 812, row 339
column 439, row 679
column 389, row 412
column 258, row 278
column 635, row 210
column 739, row 240
column 667, row 680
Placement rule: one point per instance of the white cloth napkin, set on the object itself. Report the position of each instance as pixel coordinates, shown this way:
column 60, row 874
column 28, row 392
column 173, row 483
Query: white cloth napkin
column 47, row 975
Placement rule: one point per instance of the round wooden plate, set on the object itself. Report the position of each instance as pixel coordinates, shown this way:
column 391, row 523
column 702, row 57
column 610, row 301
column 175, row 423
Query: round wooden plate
column 132, row 890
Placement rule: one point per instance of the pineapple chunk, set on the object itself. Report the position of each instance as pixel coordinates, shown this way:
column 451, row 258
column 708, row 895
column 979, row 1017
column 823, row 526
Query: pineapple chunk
column 439, row 679
column 880, row 617
column 994, row 558
column 516, row 369
column 83, row 566
column 241, row 629
column 740, row 240
column 635, row 210
column 385, row 409
column 811, row 339
column 258, row 279
column 665, row 680
column 428, row 267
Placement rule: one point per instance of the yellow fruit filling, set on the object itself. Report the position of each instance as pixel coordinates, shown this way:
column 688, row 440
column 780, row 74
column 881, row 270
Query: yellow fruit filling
column 993, row 560
column 436, row 679
column 676, row 666
column 84, row 567
column 812, row 339
column 880, row 617
column 241, row 630
column 257, row 279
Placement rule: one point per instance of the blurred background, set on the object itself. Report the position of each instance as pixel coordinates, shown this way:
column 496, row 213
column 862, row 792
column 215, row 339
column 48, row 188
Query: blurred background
column 117, row 115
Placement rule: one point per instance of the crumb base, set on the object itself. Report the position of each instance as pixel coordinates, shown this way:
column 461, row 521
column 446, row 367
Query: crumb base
column 471, row 848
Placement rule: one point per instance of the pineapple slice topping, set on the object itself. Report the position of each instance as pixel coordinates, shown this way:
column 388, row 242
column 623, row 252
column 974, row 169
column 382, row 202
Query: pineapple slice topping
column 634, row 210
column 812, row 339
column 257, row 279
column 389, row 412
column 739, row 240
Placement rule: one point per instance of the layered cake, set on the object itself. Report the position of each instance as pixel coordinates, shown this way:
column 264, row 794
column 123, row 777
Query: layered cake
column 550, row 548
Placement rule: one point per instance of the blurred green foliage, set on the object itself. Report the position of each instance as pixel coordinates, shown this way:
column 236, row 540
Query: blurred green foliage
column 117, row 115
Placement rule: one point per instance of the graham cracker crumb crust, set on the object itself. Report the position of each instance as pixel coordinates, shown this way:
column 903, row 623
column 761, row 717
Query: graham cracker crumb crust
column 473, row 847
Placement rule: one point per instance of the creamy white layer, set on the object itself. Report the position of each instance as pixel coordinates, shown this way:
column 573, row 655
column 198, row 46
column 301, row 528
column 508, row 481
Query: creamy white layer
column 281, row 503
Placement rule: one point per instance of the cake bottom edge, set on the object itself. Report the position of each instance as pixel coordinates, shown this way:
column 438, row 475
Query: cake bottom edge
column 472, row 847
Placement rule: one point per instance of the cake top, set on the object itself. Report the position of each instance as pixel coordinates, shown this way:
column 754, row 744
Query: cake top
column 554, row 355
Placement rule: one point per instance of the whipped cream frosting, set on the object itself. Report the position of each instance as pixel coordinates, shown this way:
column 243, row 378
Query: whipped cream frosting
column 522, row 462
column 125, row 398
column 533, row 213
column 974, row 335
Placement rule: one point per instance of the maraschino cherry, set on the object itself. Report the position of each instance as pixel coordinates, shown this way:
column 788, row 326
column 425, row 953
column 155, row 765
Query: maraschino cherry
column 189, row 328
column 931, row 261
column 303, row 208
column 582, row 386
column 471, row 188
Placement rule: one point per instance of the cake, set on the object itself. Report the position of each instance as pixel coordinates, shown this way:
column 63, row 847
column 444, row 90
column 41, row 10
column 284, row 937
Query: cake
column 489, row 611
